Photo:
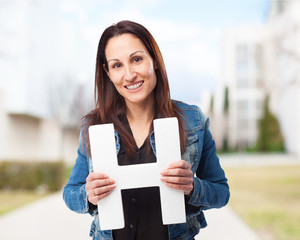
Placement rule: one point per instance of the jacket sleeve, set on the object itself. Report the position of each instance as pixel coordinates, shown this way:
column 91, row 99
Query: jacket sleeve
column 210, row 184
column 74, row 193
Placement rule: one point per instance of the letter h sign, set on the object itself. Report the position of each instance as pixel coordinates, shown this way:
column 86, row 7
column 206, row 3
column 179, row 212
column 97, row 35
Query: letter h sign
column 104, row 157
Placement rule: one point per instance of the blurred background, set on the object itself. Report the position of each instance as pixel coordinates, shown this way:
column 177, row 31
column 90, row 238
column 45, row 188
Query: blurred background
column 238, row 60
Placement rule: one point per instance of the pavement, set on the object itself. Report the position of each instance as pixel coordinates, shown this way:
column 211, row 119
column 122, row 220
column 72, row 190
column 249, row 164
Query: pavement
column 258, row 160
column 49, row 218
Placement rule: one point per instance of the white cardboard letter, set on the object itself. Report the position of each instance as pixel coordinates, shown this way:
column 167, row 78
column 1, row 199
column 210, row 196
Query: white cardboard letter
column 103, row 150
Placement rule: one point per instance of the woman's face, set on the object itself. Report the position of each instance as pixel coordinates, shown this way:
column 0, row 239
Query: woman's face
column 131, row 69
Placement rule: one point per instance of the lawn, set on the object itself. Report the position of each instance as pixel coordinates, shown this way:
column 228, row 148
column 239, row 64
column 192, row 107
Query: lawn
column 268, row 199
column 11, row 200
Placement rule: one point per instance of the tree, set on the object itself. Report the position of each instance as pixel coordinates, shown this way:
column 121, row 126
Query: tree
column 225, row 146
column 226, row 101
column 270, row 137
column 211, row 104
column 68, row 102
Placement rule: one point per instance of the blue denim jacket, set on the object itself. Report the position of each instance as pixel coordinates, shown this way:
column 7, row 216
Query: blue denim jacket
column 210, row 184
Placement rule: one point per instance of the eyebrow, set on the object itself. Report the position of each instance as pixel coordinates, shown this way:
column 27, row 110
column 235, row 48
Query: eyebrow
column 115, row 59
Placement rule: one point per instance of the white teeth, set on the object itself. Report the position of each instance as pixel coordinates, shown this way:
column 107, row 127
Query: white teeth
column 134, row 86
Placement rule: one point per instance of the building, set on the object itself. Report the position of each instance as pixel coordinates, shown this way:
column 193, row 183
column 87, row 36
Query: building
column 30, row 60
column 27, row 44
column 25, row 137
column 283, row 68
column 262, row 61
column 243, row 75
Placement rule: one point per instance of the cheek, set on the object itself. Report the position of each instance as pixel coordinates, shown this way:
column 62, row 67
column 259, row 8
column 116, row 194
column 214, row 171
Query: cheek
column 149, row 71
column 115, row 79
column 117, row 86
column 152, row 76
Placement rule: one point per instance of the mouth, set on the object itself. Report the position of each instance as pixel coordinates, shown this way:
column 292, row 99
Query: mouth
column 135, row 85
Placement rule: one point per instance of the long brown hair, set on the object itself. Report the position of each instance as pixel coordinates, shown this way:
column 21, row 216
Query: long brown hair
column 110, row 105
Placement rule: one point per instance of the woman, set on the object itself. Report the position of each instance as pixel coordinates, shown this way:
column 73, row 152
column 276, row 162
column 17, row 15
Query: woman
column 131, row 90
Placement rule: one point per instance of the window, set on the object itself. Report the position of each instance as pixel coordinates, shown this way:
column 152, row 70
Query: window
column 242, row 52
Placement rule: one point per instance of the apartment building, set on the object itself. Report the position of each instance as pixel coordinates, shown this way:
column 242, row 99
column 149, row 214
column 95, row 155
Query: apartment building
column 29, row 36
column 262, row 61
column 283, row 68
column 243, row 75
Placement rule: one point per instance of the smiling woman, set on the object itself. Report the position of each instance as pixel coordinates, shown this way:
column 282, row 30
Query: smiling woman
column 132, row 89
column 131, row 70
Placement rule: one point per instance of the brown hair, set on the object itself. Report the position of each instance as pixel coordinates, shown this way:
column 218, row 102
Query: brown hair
column 110, row 105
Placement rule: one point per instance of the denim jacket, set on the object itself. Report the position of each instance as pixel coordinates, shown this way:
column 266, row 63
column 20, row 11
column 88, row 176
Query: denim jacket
column 210, row 184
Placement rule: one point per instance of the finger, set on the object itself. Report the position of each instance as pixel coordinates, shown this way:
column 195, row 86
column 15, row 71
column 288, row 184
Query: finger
column 177, row 180
column 179, row 164
column 101, row 183
column 96, row 175
column 105, row 189
column 177, row 172
column 94, row 199
column 185, row 188
column 90, row 186
column 99, row 191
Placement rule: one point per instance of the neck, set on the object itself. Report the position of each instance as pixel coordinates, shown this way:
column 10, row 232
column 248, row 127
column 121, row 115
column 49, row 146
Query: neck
column 140, row 114
column 143, row 112
column 140, row 117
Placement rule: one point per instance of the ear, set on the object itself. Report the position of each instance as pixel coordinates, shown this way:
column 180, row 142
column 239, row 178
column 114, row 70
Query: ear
column 107, row 72
column 155, row 65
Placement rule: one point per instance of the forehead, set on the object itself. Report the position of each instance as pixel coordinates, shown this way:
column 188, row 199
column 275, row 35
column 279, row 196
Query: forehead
column 123, row 44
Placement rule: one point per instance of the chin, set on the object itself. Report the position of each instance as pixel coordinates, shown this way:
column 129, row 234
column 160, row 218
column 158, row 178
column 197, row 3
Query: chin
column 135, row 100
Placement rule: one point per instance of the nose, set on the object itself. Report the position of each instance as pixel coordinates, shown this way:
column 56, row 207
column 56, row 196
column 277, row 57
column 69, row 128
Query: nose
column 129, row 74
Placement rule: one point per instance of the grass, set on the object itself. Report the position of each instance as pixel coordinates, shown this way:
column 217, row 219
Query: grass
column 268, row 199
column 11, row 200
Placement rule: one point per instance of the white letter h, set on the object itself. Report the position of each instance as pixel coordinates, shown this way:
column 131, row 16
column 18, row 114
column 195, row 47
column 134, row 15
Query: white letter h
column 103, row 151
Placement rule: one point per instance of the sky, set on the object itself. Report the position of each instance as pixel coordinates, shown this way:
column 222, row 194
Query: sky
column 188, row 32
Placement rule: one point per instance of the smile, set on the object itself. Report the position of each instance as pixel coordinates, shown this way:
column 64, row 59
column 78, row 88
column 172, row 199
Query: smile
column 134, row 86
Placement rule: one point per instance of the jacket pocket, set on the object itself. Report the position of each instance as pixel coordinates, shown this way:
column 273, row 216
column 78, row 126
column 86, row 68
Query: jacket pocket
column 96, row 233
column 191, row 153
column 185, row 230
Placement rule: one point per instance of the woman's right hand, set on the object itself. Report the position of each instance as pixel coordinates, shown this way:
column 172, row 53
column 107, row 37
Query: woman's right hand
column 98, row 186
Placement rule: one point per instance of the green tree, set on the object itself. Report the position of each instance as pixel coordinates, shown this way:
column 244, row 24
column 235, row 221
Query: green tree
column 225, row 147
column 211, row 104
column 226, row 101
column 270, row 137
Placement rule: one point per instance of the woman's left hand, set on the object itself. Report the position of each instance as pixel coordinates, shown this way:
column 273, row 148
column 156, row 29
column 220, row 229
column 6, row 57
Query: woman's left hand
column 179, row 175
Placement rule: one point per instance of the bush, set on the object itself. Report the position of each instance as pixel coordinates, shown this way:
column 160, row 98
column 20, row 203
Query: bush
column 270, row 138
column 31, row 175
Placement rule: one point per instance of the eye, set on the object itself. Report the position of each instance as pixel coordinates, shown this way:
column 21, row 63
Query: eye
column 116, row 65
column 137, row 59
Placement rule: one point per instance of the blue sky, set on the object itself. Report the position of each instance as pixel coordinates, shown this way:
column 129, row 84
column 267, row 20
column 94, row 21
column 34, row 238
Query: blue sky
column 208, row 12
column 216, row 13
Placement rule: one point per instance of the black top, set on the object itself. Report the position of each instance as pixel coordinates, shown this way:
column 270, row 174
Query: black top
column 142, row 209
